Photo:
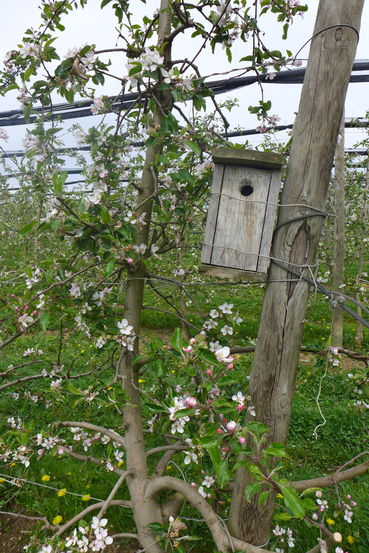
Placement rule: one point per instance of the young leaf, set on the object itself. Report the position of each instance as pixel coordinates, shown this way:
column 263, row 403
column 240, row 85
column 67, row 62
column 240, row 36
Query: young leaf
column 177, row 340
column 252, row 489
column 44, row 320
column 263, row 497
column 293, row 502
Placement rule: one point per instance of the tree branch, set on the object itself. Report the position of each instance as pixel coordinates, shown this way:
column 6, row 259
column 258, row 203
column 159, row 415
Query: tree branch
column 113, row 435
column 93, row 507
column 113, row 492
column 332, row 479
column 223, row 540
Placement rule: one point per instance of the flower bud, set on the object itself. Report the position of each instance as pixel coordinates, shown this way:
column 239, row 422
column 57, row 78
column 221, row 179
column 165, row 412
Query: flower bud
column 231, row 425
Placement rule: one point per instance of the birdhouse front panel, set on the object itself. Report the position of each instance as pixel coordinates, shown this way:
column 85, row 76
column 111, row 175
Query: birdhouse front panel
column 241, row 213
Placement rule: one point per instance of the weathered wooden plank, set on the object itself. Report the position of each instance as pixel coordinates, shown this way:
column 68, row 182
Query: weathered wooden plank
column 232, row 274
column 240, row 219
column 212, row 213
column 251, row 158
column 269, row 221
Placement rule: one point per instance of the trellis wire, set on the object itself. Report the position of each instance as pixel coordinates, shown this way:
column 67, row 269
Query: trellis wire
column 13, row 479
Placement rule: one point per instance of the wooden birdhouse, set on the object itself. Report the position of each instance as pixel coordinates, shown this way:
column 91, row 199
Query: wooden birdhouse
column 241, row 215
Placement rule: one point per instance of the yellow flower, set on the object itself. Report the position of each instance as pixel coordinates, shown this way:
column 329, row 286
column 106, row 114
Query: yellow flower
column 82, row 351
column 12, row 464
column 168, row 467
column 141, row 380
column 45, row 478
column 86, row 497
column 279, row 495
column 57, row 520
column 330, row 521
column 62, row 492
column 351, row 539
column 2, row 480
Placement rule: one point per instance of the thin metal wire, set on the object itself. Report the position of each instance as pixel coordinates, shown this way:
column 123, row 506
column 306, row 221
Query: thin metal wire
column 324, row 213
column 305, row 266
column 15, row 478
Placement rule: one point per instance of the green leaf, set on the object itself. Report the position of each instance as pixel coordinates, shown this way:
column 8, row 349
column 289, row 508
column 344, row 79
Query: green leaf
column 310, row 490
column 27, row 112
column 105, row 215
column 184, row 413
column 73, row 390
column 58, row 182
column 252, row 489
column 177, row 340
column 207, row 355
column 214, row 453
column 208, row 441
column 309, row 504
column 276, row 450
column 257, row 428
column 293, row 502
column 28, row 227
column 44, row 320
column 69, row 95
column 109, row 267
column 254, row 469
column 223, row 474
column 157, row 528
column 282, row 516
column 263, row 497
column 193, row 146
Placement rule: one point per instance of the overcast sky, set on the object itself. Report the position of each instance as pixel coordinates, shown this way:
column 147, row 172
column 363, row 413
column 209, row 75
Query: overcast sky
column 93, row 25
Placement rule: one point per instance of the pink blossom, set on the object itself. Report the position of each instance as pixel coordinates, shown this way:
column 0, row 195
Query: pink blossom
column 231, row 425
column 242, row 440
column 191, row 402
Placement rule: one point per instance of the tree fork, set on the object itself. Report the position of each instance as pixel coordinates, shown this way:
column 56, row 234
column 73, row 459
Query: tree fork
column 315, row 134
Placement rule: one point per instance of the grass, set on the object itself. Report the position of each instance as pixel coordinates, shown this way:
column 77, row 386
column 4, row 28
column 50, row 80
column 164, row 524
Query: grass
column 344, row 434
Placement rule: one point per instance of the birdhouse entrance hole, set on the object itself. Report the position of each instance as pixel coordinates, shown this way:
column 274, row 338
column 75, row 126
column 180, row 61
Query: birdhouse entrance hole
column 246, row 188
column 241, row 214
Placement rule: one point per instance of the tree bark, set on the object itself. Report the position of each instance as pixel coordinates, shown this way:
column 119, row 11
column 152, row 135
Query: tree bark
column 295, row 242
column 339, row 235
column 145, row 510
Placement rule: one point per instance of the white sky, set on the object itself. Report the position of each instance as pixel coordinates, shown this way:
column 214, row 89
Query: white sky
column 93, row 25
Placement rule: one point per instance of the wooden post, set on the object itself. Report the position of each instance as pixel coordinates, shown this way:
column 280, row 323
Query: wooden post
column 339, row 234
column 296, row 241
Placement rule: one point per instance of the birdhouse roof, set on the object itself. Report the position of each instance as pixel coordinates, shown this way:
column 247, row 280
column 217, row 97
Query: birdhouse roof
column 250, row 158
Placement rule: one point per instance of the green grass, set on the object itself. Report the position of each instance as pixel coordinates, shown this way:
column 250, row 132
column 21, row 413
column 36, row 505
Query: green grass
column 343, row 436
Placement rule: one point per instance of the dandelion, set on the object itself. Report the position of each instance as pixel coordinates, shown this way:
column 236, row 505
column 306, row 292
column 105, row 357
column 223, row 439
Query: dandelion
column 86, row 497
column 62, row 492
column 57, row 520
column 45, row 478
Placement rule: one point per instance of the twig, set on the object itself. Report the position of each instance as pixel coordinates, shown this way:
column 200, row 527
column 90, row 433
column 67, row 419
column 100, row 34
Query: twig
column 67, row 525
column 124, row 535
column 44, row 519
column 113, row 492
